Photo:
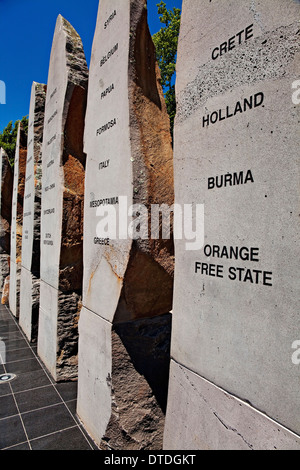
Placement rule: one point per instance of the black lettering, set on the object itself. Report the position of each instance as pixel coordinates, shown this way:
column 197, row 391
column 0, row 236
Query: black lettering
column 223, row 48
column 224, row 252
column 211, row 183
column 258, row 99
column 249, row 32
column 234, row 252
column 53, row 93
column 216, row 250
column 214, row 56
column 248, row 103
column 204, row 268
column 110, row 18
column 227, row 112
column 214, row 120
column 220, row 115
column 249, row 177
column 205, row 250
column 231, row 44
column 219, row 184
column 267, row 276
column 205, row 120
column 232, row 274
column 240, row 270
column 244, row 257
column 238, row 108
column 239, row 35
column 228, row 179
column 106, row 126
column 257, row 273
column 248, row 276
column 238, row 179
column 253, row 253
column 109, row 54
column 219, row 271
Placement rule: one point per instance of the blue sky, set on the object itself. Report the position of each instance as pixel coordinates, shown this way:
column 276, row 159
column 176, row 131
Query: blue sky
column 26, row 29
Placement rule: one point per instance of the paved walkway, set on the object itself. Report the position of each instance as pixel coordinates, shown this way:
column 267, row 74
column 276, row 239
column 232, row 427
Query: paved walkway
column 36, row 413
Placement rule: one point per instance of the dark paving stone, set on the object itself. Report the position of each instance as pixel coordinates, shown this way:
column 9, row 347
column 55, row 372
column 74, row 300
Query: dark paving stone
column 4, row 387
column 47, row 408
column 7, row 336
column 69, row 439
column 19, row 354
column 7, row 406
column 11, row 432
column 72, row 406
column 29, row 380
column 16, row 343
column 68, row 390
column 23, row 446
column 21, row 367
column 37, row 398
column 47, row 420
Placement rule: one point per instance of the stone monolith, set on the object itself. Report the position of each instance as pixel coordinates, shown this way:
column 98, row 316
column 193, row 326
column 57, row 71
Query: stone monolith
column 19, row 171
column 5, row 221
column 234, row 375
column 63, row 166
column 124, row 327
column 30, row 264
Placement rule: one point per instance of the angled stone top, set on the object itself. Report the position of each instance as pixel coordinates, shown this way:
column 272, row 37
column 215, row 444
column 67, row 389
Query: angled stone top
column 129, row 159
column 33, row 179
column 62, row 141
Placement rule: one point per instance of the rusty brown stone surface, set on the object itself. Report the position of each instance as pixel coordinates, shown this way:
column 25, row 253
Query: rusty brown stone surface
column 17, row 220
column 21, row 189
column 139, row 383
column 5, row 222
column 71, row 254
column 148, row 282
column 64, row 173
column 31, row 253
column 5, row 292
column 127, row 283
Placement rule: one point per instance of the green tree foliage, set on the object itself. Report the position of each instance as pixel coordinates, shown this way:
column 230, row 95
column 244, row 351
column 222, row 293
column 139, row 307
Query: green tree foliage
column 166, row 41
column 8, row 138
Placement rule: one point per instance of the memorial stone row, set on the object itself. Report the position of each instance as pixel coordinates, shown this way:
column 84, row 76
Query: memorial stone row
column 193, row 358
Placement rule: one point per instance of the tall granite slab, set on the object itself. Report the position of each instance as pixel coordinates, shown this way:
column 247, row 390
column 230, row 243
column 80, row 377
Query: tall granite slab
column 124, row 327
column 17, row 221
column 5, row 222
column 30, row 264
column 63, row 166
column 236, row 300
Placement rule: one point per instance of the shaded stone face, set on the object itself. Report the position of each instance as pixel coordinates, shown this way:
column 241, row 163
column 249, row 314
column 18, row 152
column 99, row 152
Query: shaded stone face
column 63, row 166
column 30, row 264
column 5, row 217
column 129, row 163
column 17, row 221
column 127, row 141
column 236, row 298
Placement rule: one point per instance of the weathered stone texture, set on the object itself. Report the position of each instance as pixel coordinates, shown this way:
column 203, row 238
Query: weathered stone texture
column 5, row 219
column 17, row 220
column 236, row 298
column 139, row 384
column 62, row 202
column 30, row 264
column 128, row 283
